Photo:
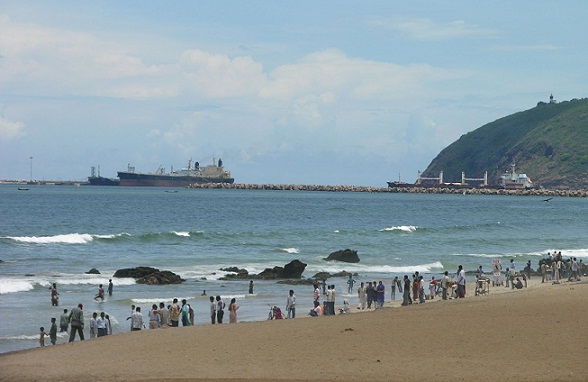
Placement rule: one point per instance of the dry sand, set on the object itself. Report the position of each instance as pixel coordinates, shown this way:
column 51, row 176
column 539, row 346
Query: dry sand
column 535, row 334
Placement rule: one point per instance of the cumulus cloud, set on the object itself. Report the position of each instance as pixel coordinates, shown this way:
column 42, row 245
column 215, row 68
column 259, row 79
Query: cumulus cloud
column 10, row 129
column 424, row 29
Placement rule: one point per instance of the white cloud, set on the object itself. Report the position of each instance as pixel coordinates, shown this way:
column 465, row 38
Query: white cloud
column 428, row 30
column 10, row 130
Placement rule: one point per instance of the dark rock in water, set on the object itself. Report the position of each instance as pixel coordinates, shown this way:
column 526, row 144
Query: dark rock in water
column 292, row 270
column 135, row 273
column 160, row 278
column 29, row 274
column 148, row 275
column 297, row 282
column 346, row 255
column 321, row 276
column 1, row 261
column 93, row 271
column 342, row 274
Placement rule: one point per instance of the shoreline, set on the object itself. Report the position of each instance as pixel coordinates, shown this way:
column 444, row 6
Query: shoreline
column 340, row 347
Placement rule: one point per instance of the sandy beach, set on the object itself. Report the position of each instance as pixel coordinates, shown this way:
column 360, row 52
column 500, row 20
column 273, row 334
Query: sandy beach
column 534, row 334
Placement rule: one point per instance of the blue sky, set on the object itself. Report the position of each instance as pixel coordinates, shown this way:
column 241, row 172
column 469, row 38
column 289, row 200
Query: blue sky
column 333, row 92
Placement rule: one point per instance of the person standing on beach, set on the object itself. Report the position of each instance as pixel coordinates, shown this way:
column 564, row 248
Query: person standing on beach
column 317, row 293
column 108, row 325
column 163, row 314
column 154, row 317
column 185, row 313
column 76, row 318
column 137, row 320
column 380, row 295
column 370, row 294
column 102, row 325
column 361, row 294
column 406, row 293
column 212, row 310
column 433, row 288
column 93, row 326
column 100, row 294
column 421, row 290
column 174, row 313
column 233, row 308
column 54, row 295
column 63, row 321
column 415, row 287
column 461, row 282
column 291, row 304
column 53, row 331
column 543, row 271
column 556, row 268
column 445, row 284
column 350, row 284
column 220, row 309
column 42, row 335
column 393, row 289
column 110, row 287
column 574, row 272
column 250, row 286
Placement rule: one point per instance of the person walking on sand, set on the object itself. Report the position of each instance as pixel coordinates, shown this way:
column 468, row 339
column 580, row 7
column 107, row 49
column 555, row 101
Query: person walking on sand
column 406, row 293
column 233, row 308
column 361, row 294
column 393, row 289
column 350, row 284
column 445, row 284
column 461, row 282
column 100, row 294
column 163, row 315
column 54, row 295
column 250, row 286
column 63, row 321
column 154, row 317
column 137, row 320
column 174, row 314
column 370, row 294
column 380, row 295
column 220, row 309
column 76, row 318
column 93, row 326
column 102, row 325
column 110, row 287
column 53, row 331
column 291, row 304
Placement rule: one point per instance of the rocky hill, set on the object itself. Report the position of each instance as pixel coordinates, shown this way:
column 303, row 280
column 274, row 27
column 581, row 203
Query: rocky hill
column 548, row 142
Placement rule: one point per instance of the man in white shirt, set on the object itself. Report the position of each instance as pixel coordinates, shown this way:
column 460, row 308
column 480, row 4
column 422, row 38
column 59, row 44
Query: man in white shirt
column 461, row 282
column 164, row 314
column 137, row 320
column 317, row 293
column 445, row 284
column 361, row 294
column 291, row 304
column 101, row 324
column 93, row 327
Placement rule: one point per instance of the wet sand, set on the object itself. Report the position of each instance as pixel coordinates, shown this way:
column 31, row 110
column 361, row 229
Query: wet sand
column 535, row 334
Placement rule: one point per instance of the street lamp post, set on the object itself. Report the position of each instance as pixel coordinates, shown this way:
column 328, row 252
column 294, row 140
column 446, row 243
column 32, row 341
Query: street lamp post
column 31, row 158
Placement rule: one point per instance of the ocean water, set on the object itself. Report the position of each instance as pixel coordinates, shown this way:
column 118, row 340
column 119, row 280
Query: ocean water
column 56, row 233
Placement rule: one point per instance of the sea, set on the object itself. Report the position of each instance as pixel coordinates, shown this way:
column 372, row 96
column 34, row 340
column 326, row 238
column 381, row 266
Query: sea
column 57, row 233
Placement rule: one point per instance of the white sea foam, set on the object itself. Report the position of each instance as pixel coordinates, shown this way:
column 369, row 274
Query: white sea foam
column 290, row 250
column 15, row 285
column 333, row 268
column 582, row 252
column 32, row 337
column 70, row 238
column 336, row 231
column 182, row 233
column 158, row 300
column 403, row 228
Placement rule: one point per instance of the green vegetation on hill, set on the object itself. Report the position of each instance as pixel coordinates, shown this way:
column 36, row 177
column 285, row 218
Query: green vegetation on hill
column 548, row 142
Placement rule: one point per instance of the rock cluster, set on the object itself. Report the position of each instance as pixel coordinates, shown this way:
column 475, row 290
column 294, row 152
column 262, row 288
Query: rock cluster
column 148, row 275
column 345, row 255
column 292, row 270
column 93, row 271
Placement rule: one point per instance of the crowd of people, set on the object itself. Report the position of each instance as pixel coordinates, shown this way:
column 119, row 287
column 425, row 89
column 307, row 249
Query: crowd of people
column 413, row 290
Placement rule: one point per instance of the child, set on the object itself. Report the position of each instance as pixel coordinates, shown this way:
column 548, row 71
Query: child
column 53, row 331
column 42, row 335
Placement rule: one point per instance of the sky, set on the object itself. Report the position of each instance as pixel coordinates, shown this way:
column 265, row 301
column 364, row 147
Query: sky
column 305, row 92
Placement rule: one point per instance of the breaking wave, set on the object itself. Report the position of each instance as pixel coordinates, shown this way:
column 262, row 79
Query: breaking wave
column 33, row 337
column 400, row 228
column 582, row 252
column 423, row 268
column 85, row 238
column 14, row 285
column 290, row 250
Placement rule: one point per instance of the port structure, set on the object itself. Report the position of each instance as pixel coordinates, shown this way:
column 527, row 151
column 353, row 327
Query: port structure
column 484, row 180
column 421, row 178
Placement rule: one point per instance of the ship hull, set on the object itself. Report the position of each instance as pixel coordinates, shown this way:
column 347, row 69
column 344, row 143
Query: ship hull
column 150, row 180
column 100, row 181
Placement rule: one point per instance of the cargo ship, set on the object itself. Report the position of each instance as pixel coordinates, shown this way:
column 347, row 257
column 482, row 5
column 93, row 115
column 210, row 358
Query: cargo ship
column 97, row 180
column 193, row 174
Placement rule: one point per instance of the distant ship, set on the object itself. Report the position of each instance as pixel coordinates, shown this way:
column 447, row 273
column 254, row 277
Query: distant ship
column 214, row 173
column 97, row 180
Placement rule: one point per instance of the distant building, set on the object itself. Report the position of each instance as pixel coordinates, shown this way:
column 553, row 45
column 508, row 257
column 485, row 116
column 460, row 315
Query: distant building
column 551, row 99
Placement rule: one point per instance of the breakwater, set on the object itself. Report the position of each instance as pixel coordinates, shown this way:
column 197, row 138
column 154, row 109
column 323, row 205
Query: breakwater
column 414, row 190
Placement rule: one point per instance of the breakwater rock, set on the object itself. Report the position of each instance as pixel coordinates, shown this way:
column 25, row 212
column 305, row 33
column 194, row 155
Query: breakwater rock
column 345, row 255
column 293, row 270
column 411, row 190
column 148, row 275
